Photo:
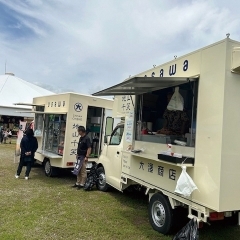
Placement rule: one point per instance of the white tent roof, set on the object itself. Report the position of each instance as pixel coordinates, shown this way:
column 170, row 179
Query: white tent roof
column 15, row 90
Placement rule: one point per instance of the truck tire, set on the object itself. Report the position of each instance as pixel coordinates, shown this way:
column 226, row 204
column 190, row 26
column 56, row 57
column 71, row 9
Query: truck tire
column 101, row 182
column 49, row 170
column 160, row 213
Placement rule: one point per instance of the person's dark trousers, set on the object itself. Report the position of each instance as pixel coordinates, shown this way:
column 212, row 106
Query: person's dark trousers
column 28, row 167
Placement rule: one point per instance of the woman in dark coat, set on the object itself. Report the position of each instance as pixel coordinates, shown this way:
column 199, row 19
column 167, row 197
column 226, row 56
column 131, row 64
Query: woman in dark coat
column 1, row 135
column 29, row 146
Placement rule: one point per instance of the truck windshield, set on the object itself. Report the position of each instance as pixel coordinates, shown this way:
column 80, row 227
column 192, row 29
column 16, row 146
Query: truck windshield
column 116, row 136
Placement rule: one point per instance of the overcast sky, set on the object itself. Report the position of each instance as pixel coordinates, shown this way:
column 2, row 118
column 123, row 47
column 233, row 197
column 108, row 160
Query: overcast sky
column 85, row 46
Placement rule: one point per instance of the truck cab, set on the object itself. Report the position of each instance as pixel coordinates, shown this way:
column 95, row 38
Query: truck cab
column 110, row 160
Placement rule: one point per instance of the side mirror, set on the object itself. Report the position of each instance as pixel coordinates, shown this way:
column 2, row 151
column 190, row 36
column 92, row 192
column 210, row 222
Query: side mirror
column 106, row 139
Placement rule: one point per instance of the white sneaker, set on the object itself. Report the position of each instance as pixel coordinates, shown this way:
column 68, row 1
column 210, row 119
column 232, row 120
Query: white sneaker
column 26, row 178
column 16, row 176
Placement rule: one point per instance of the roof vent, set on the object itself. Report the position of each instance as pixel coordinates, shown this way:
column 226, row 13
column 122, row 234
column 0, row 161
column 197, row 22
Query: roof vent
column 12, row 74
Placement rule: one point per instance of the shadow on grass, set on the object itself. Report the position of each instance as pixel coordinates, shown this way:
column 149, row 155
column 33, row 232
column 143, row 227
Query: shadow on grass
column 225, row 229
column 64, row 177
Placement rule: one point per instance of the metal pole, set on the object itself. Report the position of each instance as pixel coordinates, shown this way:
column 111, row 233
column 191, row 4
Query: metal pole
column 193, row 102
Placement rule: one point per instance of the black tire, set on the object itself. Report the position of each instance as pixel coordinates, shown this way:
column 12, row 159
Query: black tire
column 49, row 170
column 101, row 182
column 160, row 213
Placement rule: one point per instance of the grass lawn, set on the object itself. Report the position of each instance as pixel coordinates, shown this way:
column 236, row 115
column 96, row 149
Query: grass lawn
column 47, row 208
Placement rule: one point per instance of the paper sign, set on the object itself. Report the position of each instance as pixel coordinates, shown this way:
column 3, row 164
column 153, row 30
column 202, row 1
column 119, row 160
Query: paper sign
column 129, row 130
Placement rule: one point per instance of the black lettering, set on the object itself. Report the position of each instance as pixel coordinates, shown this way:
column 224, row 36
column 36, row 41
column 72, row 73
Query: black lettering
column 141, row 165
column 172, row 174
column 73, row 151
column 124, row 98
column 74, row 142
column 172, row 69
column 150, row 167
column 160, row 170
column 185, row 65
column 128, row 107
column 161, row 73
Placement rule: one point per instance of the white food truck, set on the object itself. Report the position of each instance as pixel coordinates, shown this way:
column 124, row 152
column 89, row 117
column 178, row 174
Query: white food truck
column 57, row 118
column 209, row 83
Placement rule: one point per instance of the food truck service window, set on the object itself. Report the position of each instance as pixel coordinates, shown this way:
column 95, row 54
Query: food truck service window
column 159, row 120
column 55, row 126
column 155, row 121
column 38, row 124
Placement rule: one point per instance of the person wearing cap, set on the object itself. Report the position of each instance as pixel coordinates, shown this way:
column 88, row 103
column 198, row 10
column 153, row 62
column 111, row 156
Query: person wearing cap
column 83, row 153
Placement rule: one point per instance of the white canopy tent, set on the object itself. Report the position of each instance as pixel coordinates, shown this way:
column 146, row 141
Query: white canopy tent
column 15, row 90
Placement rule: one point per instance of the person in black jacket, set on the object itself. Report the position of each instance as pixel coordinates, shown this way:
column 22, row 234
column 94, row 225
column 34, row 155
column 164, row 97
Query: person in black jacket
column 29, row 146
column 83, row 152
column 1, row 135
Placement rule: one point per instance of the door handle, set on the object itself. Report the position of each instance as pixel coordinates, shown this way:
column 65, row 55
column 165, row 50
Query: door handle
column 117, row 152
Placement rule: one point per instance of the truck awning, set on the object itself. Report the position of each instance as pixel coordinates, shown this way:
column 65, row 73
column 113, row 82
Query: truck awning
column 39, row 112
column 140, row 85
column 29, row 104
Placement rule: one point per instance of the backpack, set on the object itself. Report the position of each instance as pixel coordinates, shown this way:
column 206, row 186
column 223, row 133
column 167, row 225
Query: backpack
column 91, row 179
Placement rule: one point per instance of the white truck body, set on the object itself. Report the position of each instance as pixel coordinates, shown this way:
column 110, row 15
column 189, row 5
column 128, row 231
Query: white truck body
column 57, row 118
column 211, row 153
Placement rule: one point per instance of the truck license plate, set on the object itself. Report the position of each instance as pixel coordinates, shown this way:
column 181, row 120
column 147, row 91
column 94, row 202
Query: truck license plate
column 89, row 165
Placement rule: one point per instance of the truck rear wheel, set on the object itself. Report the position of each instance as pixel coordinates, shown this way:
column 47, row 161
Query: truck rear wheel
column 101, row 182
column 160, row 213
column 49, row 170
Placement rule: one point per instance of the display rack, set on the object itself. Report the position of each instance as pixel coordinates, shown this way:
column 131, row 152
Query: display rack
column 55, row 133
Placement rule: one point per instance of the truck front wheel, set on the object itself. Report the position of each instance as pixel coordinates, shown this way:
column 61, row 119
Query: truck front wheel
column 101, row 183
column 160, row 213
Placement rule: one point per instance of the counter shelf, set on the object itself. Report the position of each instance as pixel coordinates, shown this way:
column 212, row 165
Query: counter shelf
column 49, row 154
column 161, row 138
column 189, row 162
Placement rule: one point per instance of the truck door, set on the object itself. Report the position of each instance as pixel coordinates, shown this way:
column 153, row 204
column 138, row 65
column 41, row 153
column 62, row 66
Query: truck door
column 106, row 127
column 114, row 158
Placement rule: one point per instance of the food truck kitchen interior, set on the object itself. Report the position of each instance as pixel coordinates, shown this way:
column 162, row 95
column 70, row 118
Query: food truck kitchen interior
column 150, row 108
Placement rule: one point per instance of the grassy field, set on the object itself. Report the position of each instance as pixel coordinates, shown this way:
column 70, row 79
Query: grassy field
column 47, row 208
